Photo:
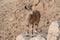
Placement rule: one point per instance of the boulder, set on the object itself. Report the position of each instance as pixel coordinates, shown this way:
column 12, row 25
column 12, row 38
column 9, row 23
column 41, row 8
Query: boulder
column 53, row 31
column 30, row 37
column 20, row 37
column 38, row 37
column 23, row 37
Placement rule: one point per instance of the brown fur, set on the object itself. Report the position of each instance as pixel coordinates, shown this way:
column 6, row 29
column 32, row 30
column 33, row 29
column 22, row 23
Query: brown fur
column 34, row 19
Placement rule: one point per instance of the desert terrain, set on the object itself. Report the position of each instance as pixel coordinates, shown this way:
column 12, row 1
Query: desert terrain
column 14, row 16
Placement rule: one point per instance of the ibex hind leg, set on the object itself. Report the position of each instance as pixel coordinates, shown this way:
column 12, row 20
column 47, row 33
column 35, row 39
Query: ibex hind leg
column 32, row 29
column 36, row 27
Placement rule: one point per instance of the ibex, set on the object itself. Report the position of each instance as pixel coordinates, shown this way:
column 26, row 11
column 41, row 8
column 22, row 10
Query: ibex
column 34, row 19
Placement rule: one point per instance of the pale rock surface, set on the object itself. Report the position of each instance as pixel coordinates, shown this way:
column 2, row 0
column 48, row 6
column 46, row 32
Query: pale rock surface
column 29, row 37
column 38, row 37
column 23, row 37
column 53, row 31
column 20, row 37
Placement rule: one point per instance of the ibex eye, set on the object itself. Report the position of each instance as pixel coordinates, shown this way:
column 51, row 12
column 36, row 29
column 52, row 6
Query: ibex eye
column 25, row 7
column 28, row 7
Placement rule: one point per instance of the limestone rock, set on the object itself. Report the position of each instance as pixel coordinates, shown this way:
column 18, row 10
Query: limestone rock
column 20, row 37
column 38, row 37
column 23, row 37
column 30, row 37
column 53, row 31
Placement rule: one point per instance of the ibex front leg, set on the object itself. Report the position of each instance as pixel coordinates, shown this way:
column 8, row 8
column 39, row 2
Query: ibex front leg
column 29, row 29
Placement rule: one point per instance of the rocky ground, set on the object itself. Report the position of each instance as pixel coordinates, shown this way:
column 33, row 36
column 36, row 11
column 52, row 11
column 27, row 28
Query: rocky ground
column 13, row 16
